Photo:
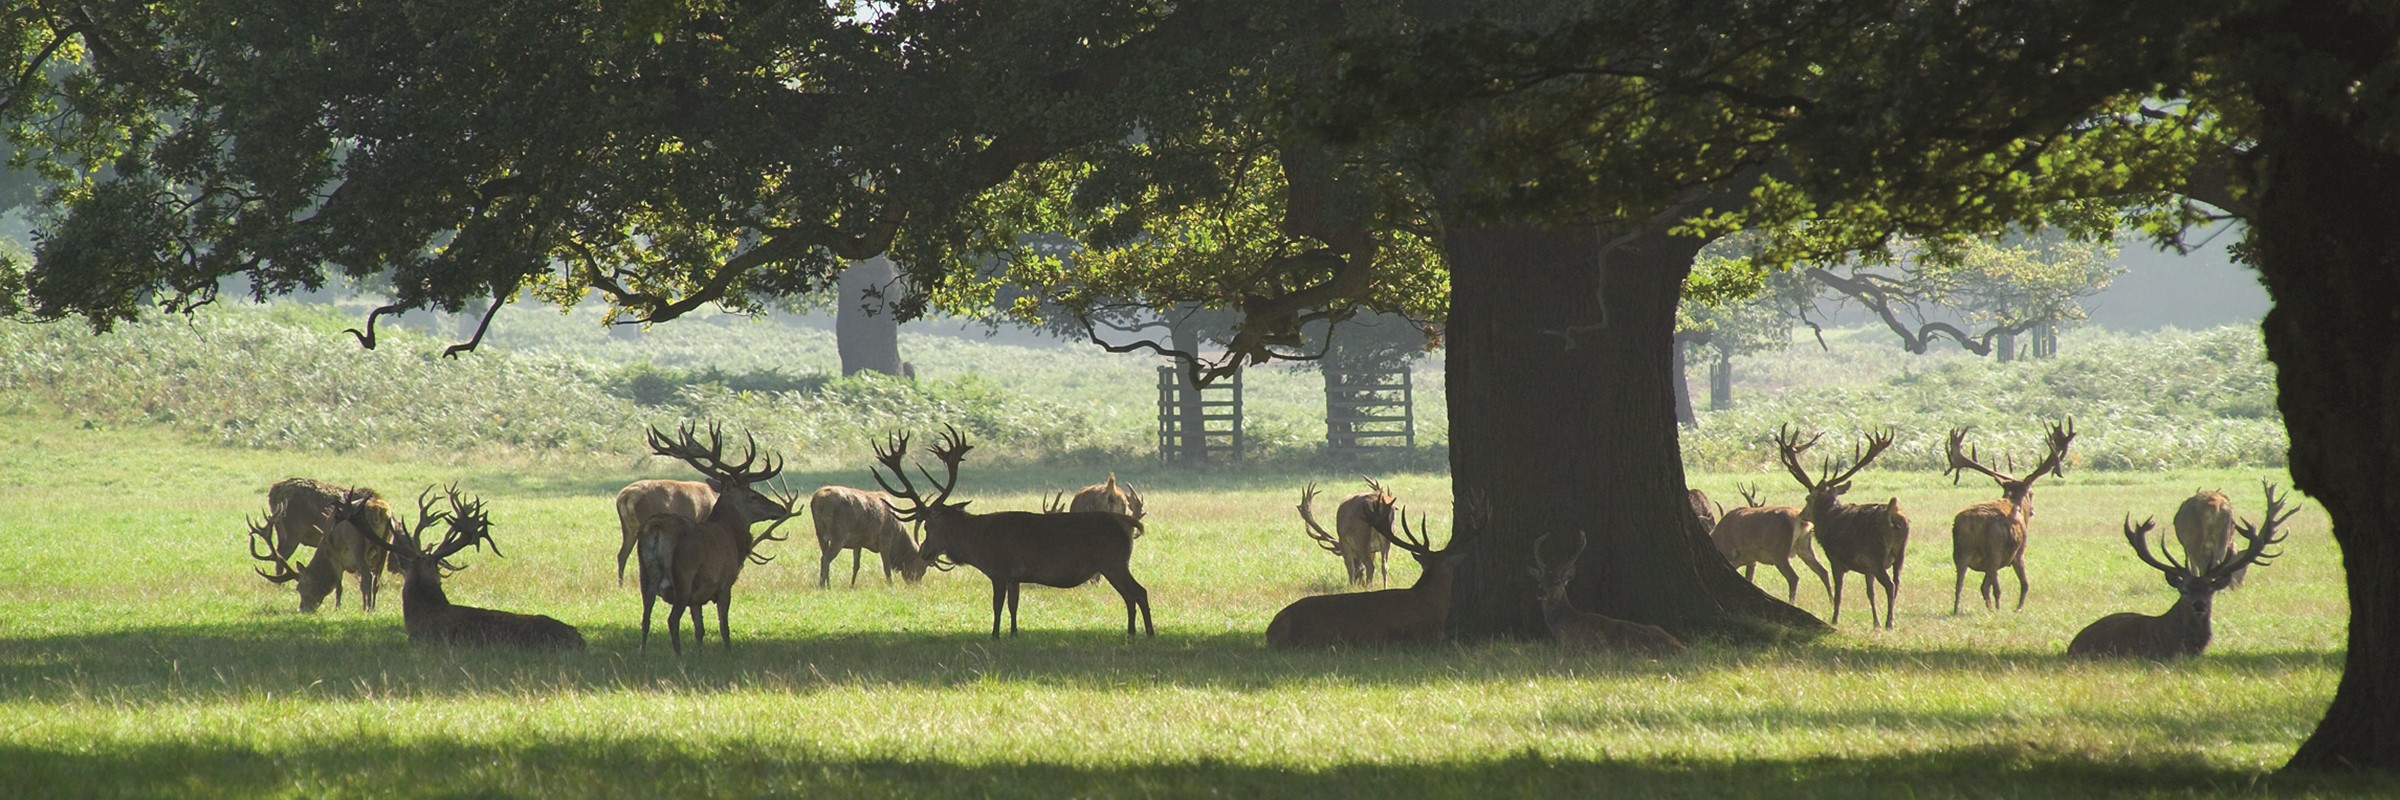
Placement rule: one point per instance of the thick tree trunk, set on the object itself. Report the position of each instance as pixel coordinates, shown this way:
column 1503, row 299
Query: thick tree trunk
column 1561, row 418
column 1191, row 441
column 1683, row 386
column 2329, row 251
column 1720, row 383
column 866, row 333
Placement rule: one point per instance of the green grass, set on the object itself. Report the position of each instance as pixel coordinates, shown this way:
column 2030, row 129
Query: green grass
column 140, row 657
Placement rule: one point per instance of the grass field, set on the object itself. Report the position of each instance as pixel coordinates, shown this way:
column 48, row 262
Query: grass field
column 139, row 656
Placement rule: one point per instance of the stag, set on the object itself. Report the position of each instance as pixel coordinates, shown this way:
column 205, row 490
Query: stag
column 1386, row 616
column 1869, row 539
column 2204, row 526
column 1587, row 630
column 1761, row 534
column 1363, row 543
column 859, row 521
column 1111, row 496
column 425, row 608
column 1013, row 548
column 692, row 563
column 640, row 500
column 302, row 512
column 1701, row 508
column 1990, row 535
column 2185, row 629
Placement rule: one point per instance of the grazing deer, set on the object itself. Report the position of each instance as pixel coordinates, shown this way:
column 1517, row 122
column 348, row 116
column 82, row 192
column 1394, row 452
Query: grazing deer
column 425, row 608
column 1701, row 508
column 302, row 512
column 640, row 499
column 1014, row 548
column 1990, row 535
column 1869, row 539
column 1586, row 630
column 859, row 521
column 2184, row 630
column 1364, row 544
column 692, row 563
column 1416, row 614
column 2204, row 526
column 1761, row 534
column 1111, row 496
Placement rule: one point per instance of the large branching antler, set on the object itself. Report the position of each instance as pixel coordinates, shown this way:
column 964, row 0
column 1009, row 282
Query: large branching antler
column 951, row 450
column 1964, row 458
column 710, row 459
column 259, row 534
column 789, row 499
column 470, row 526
column 1328, row 542
column 1789, row 448
column 2257, row 540
column 2139, row 538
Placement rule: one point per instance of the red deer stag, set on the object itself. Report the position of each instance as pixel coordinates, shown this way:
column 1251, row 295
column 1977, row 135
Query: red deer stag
column 639, row 500
column 692, row 563
column 2184, row 629
column 2204, row 526
column 1364, row 545
column 301, row 512
column 1014, row 548
column 859, row 521
column 1870, row 539
column 1416, row 614
column 425, row 608
column 1701, row 508
column 1761, row 534
column 1990, row 535
column 1587, row 630
column 1111, row 496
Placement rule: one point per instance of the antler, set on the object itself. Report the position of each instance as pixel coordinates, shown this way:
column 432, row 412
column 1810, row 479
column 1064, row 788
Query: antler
column 710, row 460
column 1541, row 572
column 1860, row 456
column 1056, row 504
column 1788, row 448
column 1381, row 493
column 1308, row 519
column 2255, row 552
column 789, row 499
column 284, row 573
column 1750, row 495
column 2056, row 461
column 2140, row 539
column 951, row 450
column 470, row 525
column 1964, row 458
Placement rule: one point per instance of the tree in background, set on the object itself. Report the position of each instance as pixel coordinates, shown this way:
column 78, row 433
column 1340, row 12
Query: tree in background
column 1731, row 308
column 1995, row 289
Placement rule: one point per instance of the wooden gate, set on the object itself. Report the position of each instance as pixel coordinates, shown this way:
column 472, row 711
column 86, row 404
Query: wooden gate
column 1369, row 410
column 1199, row 424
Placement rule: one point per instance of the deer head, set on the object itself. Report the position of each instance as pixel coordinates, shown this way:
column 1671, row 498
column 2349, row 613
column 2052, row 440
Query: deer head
column 732, row 481
column 314, row 585
column 1547, row 583
column 2018, row 491
column 1826, row 489
column 928, row 515
column 1417, row 544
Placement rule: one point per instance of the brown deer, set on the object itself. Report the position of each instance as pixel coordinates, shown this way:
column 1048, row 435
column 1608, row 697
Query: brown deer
column 1761, row 534
column 1869, row 539
column 1587, row 630
column 1013, row 548
column 301, row 512
column 692, row 563
column 2185, row 629
column 1701, row 508
column 2204, row 526
column 1111, row 496
column 640, row 499
column 1990, row 535
column 860, row 521
column 1364, row 545
column 1416, row 614
column 426, row 610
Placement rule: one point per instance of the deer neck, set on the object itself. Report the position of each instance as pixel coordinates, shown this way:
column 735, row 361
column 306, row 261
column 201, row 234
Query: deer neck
column 2187, row 626
column 1435, row 581
column 1556, row 607
column 420, row 594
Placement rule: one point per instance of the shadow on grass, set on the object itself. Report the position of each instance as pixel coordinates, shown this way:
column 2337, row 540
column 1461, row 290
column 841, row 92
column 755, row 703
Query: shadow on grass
column 618, row 768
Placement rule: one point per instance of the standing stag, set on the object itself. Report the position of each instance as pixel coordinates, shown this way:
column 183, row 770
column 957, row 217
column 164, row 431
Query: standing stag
column 691, row 564
column 303, row 512
column 2204, row 526
column 1587, row 630
column 1363, row 543
column 640, row 500
column 1111, row 496
column 425, row 608
column 1761, row 534
column 861, row 521
column 1869, row 539
column 2185, row 629
column 1416, row 614
column 1013, row 548
column 1990, row 535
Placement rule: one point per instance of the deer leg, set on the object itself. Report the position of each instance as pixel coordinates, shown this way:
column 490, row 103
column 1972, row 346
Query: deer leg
column 2019, row 566
column 1791, row 581
column 1808, row 556
column 1014, row 589
column 647, row 600
column 1837, row 598
column 1750, row 572
column 1869, row 582
column 1891, row 599
column 1958, row 587
column 825, row 557
column 700, row 627
column 854, row 556
column 724, row 628
column 999, row 597
column 1133, row 593
column 675, row 627
column 624, row 550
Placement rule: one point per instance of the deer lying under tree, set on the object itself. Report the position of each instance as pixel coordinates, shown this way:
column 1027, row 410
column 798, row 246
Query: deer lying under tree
column 1014, row 548
column 1990, row 535
column 1587, row 630
column 1363, row 543
column 2204, row 526
column 862, row 521
column 2185, row 629
column 1869, row 539
column 691, row 564
column 640, row 500
column 1762, row 534
column 1416, row 614
column 302, row 512
column 426, row 609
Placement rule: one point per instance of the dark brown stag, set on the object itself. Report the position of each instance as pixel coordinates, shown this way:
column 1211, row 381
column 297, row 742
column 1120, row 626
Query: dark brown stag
column 1585, row 630
column 691, row 564
column 1416, row 614
column 301, row 512
column 1014, row 548
column 426, row 609
column 1990, row 535
column 1869, row 539
column 2185, row 629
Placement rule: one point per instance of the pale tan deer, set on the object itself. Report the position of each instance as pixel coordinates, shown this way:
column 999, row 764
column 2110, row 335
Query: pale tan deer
column 1014, row 548
column 426, row 610
column 640, row 499
column 302, row 512
column 1415, row 615
column 1869, row 539
column 1990, row 535
column 1364, row 544
column 691, row 564
column 2204, row 526
column 1588, row 630
column 862, row 521
column 2186, row 627
column 1111, row 496
column 1762, row 534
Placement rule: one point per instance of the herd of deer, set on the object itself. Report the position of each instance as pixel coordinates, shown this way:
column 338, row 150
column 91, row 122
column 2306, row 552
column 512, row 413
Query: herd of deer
column 690, row 540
